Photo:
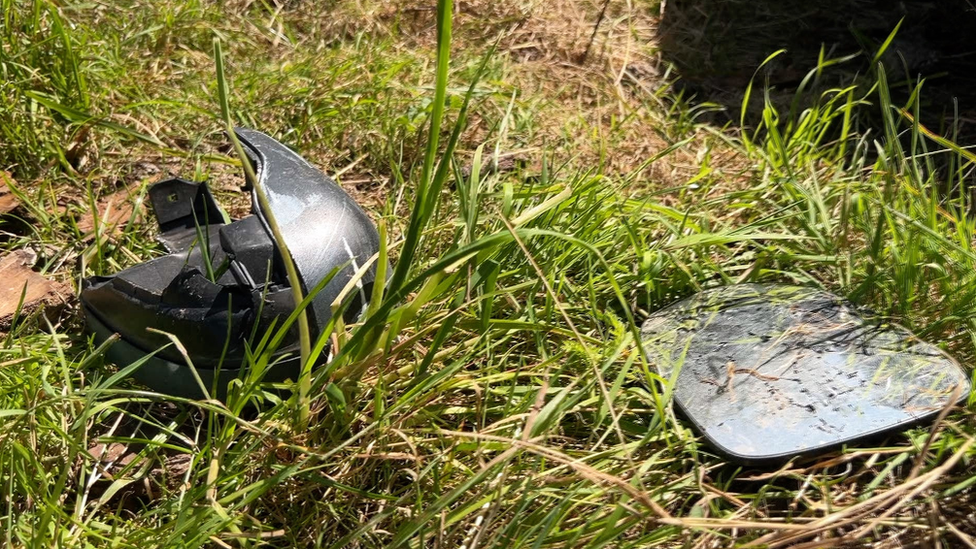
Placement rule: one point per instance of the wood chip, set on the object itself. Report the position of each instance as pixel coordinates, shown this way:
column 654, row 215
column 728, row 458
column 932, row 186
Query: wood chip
column 8, row 201
column 108, row 453
column 15, row 273
column 114, row 211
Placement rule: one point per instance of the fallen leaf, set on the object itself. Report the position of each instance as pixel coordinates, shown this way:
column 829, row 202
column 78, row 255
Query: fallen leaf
column 113, row 211
column 108, row 453
column 15, row 273
column 8, row 201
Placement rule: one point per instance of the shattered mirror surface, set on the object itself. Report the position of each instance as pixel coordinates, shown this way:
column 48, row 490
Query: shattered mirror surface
column 769, row 372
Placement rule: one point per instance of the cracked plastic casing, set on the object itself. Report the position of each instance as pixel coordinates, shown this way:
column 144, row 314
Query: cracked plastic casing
column 223, row 282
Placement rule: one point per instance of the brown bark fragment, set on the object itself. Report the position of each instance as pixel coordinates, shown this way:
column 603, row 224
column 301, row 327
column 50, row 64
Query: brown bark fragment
column 8, row 202
column 15, row 273
column 113, row 211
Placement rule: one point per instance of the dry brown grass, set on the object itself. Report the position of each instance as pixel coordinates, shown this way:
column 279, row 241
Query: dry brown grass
column 593, row 87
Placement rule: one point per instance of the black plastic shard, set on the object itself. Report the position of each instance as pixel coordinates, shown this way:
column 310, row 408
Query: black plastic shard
column 223, row 285
column 767, row 373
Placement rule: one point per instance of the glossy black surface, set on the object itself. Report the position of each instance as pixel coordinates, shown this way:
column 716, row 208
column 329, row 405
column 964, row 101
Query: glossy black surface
column 768, row 372
column 223, row 283
column 322, row 226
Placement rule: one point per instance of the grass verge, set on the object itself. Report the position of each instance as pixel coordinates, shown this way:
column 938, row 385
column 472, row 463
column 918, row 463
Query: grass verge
column 494, row 395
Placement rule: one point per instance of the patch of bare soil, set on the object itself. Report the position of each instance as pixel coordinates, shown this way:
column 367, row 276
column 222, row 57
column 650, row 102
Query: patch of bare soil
column 606, row 93
column 590, row 77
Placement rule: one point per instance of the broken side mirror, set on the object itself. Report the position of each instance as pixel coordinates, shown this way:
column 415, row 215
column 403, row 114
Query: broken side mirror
column 767, row 373
column 223, row 282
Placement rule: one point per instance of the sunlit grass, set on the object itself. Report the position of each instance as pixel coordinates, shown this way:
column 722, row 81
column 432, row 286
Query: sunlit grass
column 494, row 394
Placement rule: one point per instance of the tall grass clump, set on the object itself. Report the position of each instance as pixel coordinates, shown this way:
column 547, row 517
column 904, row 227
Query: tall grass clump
column 884, row 213
column 38, row 54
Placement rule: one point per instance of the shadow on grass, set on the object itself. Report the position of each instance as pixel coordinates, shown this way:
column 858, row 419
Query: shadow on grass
column 716, row 46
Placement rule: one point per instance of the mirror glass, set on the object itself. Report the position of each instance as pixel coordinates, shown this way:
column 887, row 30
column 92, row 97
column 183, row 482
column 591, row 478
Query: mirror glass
column 768, row 372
